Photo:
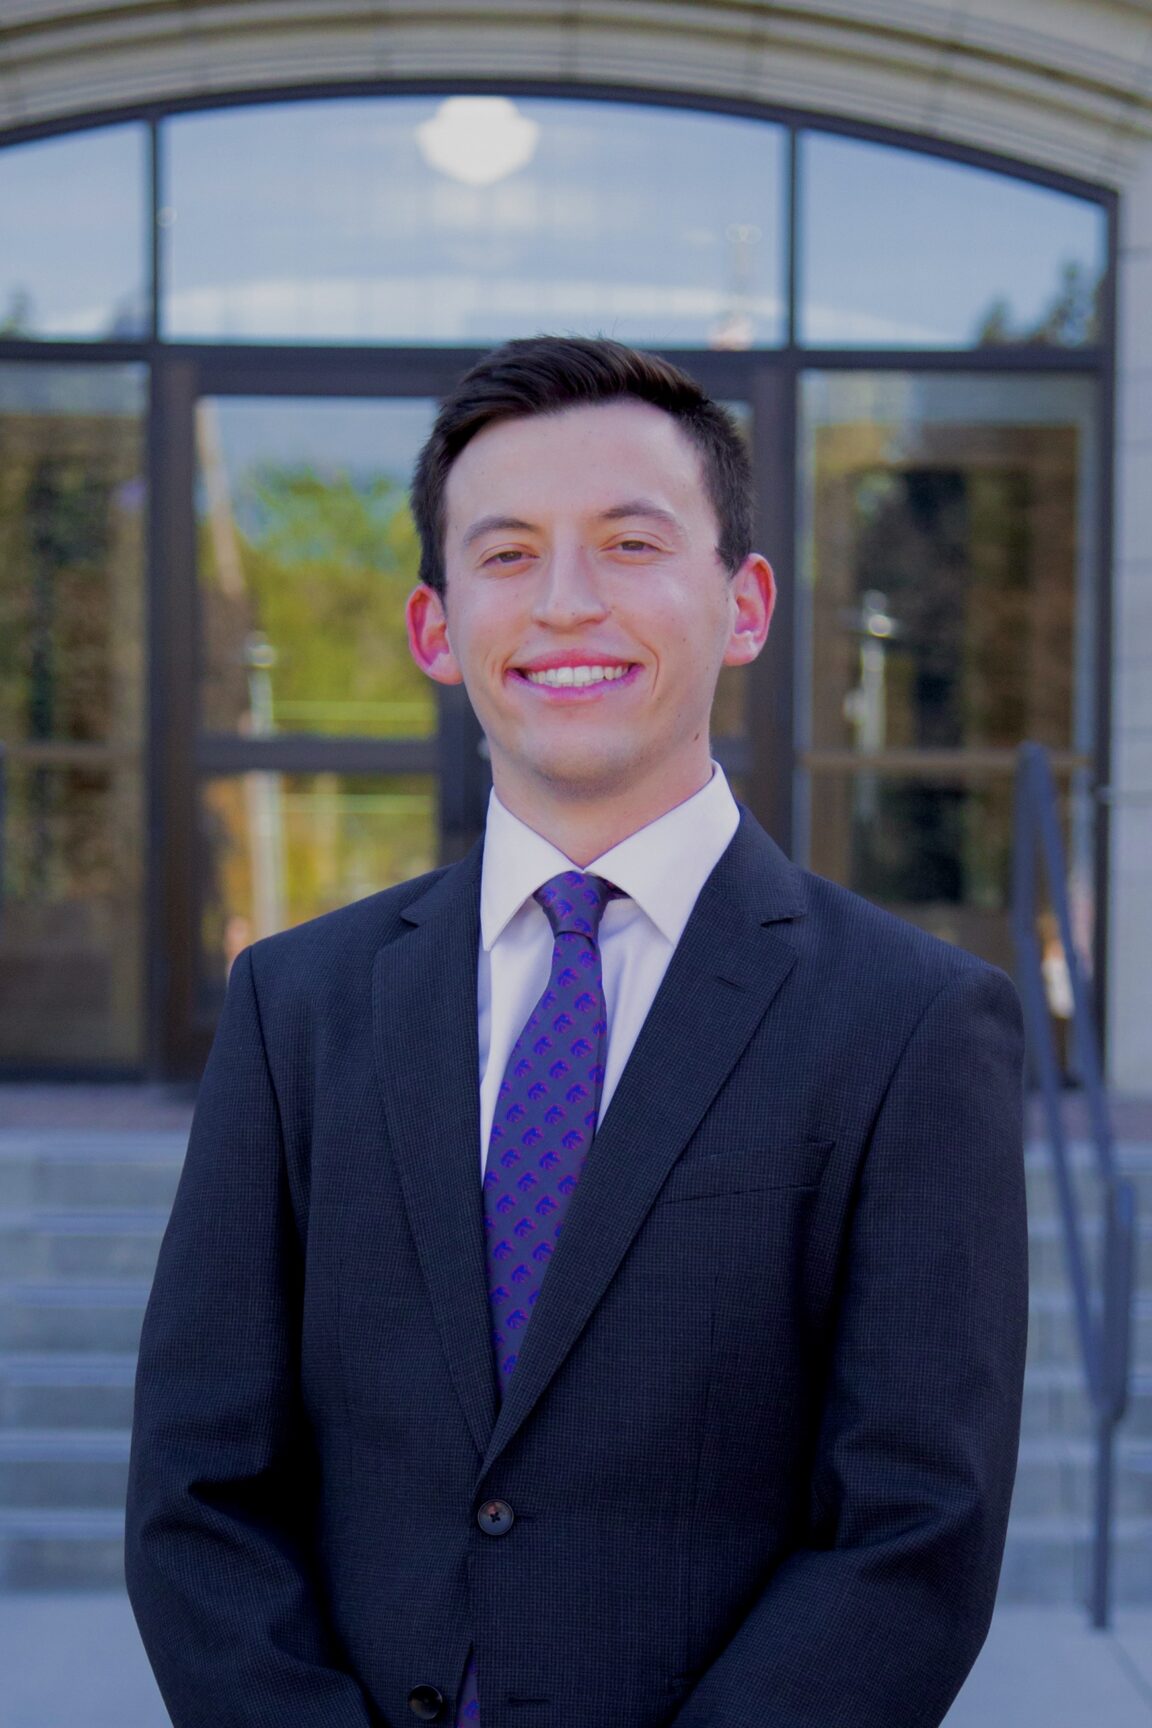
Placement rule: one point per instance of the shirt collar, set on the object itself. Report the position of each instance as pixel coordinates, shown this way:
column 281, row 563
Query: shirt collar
column 662, row 866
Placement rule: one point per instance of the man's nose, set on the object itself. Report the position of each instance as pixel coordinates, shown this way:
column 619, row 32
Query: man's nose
column 568, row 593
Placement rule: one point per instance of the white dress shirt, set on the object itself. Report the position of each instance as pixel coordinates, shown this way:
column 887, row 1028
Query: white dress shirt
column 661, row 868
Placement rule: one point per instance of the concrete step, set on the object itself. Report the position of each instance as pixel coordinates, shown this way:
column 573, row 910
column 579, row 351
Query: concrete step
column 81, row 1219
column 1047, row 1256
column 1056, row 1402
column 51, row 1245
column 1056, row 1473
column 87, row 1467
column 57, row 1390
column 72, row 1171
column 121, row 1169
column 55, row 1548
column 1045, row 1560
column 1049, row 1560
column 56, row 1243
column 104, row 1316
column 40, row 1242
column 79, row 1468
column 1133, row 1160
column 1052, row 1335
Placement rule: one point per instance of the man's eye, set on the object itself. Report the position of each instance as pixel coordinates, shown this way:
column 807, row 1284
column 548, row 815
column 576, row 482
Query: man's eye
column 634, row 545
column 507, row 555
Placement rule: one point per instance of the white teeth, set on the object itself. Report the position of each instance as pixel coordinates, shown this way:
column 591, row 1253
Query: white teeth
column 577, row 675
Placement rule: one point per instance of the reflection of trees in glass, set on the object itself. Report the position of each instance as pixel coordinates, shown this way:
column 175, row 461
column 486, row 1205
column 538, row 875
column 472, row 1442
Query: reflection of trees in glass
column 305, row 578
column 126, row 318
column 1070, row 320
column 71, row 711
column 327, row 562
column 970, row 534
column 342, row 836
column 16, row 318
column 911, row 544
column 976, row 566
column 57, row 534
column 69, row 645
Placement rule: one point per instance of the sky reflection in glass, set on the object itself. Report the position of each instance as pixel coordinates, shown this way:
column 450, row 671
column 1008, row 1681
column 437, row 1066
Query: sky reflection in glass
column 370, row 220
column 905, row 250
column 73, row 222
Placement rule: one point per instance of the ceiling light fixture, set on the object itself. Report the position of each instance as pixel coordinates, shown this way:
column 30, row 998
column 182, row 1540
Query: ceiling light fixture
column 478, row 140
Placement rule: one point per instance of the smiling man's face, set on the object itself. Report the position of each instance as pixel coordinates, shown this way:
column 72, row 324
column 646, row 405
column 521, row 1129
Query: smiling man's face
column 588, row 613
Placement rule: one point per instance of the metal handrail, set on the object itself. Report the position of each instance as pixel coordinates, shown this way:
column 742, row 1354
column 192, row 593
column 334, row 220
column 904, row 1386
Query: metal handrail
column 1103, row 1318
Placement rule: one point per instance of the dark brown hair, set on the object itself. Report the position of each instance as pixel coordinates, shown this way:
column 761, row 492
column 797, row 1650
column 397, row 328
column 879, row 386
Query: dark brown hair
column 545, row 375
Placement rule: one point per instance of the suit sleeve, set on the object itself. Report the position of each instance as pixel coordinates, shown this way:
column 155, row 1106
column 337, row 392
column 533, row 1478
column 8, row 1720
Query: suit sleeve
column 877, row 1622
column 220, row 1476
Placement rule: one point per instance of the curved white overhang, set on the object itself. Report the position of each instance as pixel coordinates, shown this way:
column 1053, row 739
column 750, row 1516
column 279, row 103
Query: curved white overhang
column 1066, row 84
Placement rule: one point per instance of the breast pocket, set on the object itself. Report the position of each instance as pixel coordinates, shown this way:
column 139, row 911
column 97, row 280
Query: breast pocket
column 740, row 1171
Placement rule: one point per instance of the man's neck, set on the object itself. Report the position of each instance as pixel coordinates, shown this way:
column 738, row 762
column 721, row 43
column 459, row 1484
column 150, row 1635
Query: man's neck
column 584, row 829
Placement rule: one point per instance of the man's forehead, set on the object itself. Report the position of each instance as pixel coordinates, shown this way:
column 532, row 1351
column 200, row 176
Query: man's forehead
column 592, row 458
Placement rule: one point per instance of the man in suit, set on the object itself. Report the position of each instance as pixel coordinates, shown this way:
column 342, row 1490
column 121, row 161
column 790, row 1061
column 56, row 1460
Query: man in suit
column 595, row 1295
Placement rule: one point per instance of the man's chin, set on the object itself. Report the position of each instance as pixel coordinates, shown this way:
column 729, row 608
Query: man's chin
column 584, row 776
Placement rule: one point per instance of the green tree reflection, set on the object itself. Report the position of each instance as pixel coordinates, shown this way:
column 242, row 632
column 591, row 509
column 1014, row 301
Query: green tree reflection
column 1071, row 318
column 327, row 561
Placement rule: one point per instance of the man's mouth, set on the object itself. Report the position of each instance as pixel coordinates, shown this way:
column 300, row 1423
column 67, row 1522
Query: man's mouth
column 558, row 677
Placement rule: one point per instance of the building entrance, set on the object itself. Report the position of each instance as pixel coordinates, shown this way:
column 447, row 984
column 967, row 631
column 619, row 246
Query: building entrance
column 210, row 403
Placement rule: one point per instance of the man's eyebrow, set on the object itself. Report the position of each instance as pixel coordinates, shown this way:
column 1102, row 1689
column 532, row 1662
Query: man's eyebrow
column 629, row 509
column 640, row 507
column 497, row 524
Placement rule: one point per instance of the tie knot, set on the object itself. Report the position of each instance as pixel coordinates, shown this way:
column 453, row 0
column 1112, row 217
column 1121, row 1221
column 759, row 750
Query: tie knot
column 574, row 902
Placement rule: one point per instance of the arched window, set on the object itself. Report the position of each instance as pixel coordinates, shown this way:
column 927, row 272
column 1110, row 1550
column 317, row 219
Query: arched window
column 228, row 326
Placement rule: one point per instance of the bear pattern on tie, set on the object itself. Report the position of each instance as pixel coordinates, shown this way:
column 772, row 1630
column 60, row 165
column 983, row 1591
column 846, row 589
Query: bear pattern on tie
column 545, row 1114
column 542, row 1128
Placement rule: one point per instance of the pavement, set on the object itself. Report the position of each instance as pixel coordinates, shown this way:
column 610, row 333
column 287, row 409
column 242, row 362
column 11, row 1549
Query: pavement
column 1047, row 1668
column 75, row 1661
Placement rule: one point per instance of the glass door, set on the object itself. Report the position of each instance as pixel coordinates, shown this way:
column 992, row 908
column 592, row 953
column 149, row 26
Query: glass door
column 948, row 557
column 305, row 553
column 303, row 749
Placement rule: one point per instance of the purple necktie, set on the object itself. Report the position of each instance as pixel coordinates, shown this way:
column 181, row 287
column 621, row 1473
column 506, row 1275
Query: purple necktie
column 542, row 1128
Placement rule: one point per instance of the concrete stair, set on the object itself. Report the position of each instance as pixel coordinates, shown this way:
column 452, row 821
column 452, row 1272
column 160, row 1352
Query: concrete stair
column 81, row 1217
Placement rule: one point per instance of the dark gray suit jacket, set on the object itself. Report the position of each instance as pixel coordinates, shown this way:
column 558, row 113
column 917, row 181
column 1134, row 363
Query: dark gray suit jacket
column 761, row 1439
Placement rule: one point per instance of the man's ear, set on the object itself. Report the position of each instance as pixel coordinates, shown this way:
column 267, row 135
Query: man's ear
column 428, row 636
column 753, row 588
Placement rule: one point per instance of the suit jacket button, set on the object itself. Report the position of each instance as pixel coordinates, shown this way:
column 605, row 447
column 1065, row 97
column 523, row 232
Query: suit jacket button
column 495, row 1517
column 425, row 1702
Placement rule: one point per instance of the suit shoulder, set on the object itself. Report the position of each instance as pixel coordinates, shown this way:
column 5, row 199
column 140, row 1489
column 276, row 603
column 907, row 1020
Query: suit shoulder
column 874, row 950
column 345, row 936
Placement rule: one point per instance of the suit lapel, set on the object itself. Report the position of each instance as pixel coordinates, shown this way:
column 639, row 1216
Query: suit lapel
column 427, row 1054
column 726, row 968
